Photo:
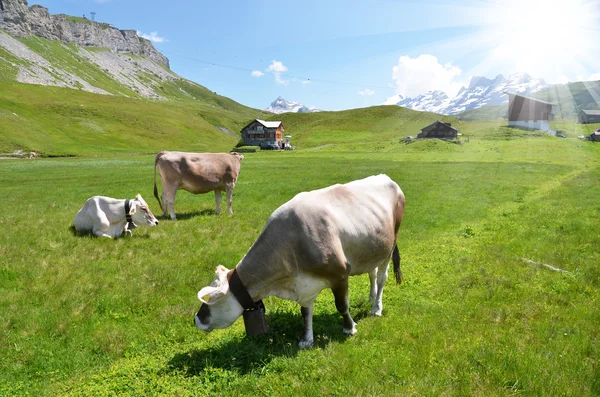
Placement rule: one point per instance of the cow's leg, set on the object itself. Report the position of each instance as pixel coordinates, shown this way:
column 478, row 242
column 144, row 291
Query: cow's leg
column 100, row 223
column 373, row 279
column 168, row 197
column 218, row 200
column 229, row 188
column 382, row 275
column 101, row 226
column 307, row 315
column 342, row 303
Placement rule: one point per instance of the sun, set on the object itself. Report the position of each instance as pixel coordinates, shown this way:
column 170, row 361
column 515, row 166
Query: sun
column 544, row 38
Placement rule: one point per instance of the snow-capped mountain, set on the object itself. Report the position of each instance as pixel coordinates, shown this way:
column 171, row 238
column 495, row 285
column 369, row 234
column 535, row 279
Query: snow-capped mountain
column 280, row 105
column 481, row 92
column 432, row 101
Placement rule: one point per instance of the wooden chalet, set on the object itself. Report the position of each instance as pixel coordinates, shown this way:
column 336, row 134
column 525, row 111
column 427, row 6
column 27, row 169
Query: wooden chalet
column 266, row 134
column 530, row 113
column 589, row 116
column 438, row 130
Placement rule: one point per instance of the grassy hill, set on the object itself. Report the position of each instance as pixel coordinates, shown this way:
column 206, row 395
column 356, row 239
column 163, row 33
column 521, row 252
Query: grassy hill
column 356, row 129
column 61, row 122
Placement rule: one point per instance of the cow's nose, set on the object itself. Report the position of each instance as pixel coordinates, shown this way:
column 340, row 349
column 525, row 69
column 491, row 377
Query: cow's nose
column 156, row 221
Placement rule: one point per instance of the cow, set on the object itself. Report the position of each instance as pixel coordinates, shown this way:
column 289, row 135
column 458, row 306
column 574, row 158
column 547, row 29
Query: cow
column 313, row 242
column 196, row 173
column 109, row 217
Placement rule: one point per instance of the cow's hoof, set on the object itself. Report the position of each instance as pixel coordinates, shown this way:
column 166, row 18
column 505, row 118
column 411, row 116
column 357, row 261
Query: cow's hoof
column 351, row 332
column 376, row 313
column 305, row 344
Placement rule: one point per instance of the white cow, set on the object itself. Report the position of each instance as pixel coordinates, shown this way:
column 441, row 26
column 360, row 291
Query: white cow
column 109, row 217
column 313, row 242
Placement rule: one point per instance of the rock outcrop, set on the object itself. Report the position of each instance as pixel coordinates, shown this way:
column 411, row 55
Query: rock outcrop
column 19, row 20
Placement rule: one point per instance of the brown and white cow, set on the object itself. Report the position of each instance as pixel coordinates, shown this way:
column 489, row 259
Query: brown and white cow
column 313, row 242
column 196, row 173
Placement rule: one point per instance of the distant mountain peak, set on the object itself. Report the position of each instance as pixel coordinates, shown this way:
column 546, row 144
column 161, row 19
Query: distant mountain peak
column 281, row 105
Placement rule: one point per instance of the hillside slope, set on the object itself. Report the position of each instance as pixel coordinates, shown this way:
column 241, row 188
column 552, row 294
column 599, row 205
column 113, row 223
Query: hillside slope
column 64, row 122
column 378, row 125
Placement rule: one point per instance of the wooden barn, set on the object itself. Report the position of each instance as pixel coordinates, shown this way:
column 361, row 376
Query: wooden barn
column 438, row 130
column 266, row 134
column 530, row 113
column 589, row 116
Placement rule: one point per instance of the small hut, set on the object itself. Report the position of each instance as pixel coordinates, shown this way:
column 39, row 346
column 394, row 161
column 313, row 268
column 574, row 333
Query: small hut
column 530, row 113
column 438, row 130
column 589, row 116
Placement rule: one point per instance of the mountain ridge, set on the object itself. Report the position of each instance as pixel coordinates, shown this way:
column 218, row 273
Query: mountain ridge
column 482, row 91
column 281, row 105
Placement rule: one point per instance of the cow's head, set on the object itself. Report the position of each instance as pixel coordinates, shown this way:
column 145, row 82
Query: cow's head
column 219, row 307
column 239, row 156
column 140, row 212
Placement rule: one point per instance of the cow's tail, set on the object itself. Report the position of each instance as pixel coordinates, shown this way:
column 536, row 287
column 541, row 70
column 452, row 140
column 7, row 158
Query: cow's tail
column 396, row 262
column 155, row 188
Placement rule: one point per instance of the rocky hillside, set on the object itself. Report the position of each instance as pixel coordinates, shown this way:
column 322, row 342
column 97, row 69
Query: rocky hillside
column 19, row 20
column 72, row 52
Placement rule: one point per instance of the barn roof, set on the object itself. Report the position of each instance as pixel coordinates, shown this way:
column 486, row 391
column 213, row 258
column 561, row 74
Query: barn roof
column 530, row 98
column 591, row 112
column 444, row 125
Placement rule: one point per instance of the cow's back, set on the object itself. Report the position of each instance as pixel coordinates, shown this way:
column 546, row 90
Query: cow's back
column 355, row 224
column 199, row 172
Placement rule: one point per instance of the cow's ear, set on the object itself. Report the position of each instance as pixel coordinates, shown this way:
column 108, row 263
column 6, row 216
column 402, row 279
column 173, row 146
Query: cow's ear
column 133, row 207
column 210, row 294
column 221, row 271
column 139, row 198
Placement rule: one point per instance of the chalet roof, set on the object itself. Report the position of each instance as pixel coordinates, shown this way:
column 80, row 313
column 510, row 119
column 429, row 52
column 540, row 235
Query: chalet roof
column 530, row 98
column 445, row 125
column 591, row 112
column 269, row 124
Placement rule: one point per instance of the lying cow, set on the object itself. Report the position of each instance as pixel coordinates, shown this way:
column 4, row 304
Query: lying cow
column 313, row 242
column 109, row 217
column 196, row 173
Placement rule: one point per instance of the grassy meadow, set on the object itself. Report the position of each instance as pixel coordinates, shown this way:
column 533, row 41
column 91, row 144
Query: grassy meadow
column 90, row 316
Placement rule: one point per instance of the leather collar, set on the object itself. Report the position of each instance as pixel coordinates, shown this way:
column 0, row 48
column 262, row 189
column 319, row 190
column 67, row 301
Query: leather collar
column 241, row 293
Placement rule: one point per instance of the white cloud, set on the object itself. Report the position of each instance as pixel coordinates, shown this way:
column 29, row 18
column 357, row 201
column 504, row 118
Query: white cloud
column 594, row 77
column 415, row 76
column 276, row 68
column 257, row 73
column 366, row 92
column 305, row 82
column 153, row 37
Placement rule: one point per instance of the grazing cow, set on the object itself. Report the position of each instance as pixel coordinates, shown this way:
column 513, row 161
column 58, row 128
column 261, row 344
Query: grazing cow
column 313, row 242
column 109, row 217
column 196, row 173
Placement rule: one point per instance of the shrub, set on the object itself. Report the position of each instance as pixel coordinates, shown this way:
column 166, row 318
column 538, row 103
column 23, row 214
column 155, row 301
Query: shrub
column 246, row 149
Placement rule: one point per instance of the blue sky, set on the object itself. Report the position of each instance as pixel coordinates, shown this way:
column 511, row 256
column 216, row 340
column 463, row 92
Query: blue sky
column 337, row 54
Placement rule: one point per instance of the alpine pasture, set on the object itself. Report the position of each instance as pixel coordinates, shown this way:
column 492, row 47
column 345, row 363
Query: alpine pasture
column 93, row 316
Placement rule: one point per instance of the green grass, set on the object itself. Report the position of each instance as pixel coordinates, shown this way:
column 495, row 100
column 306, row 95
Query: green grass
column 87, row 316
column 376, row 125
column 62, row 122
